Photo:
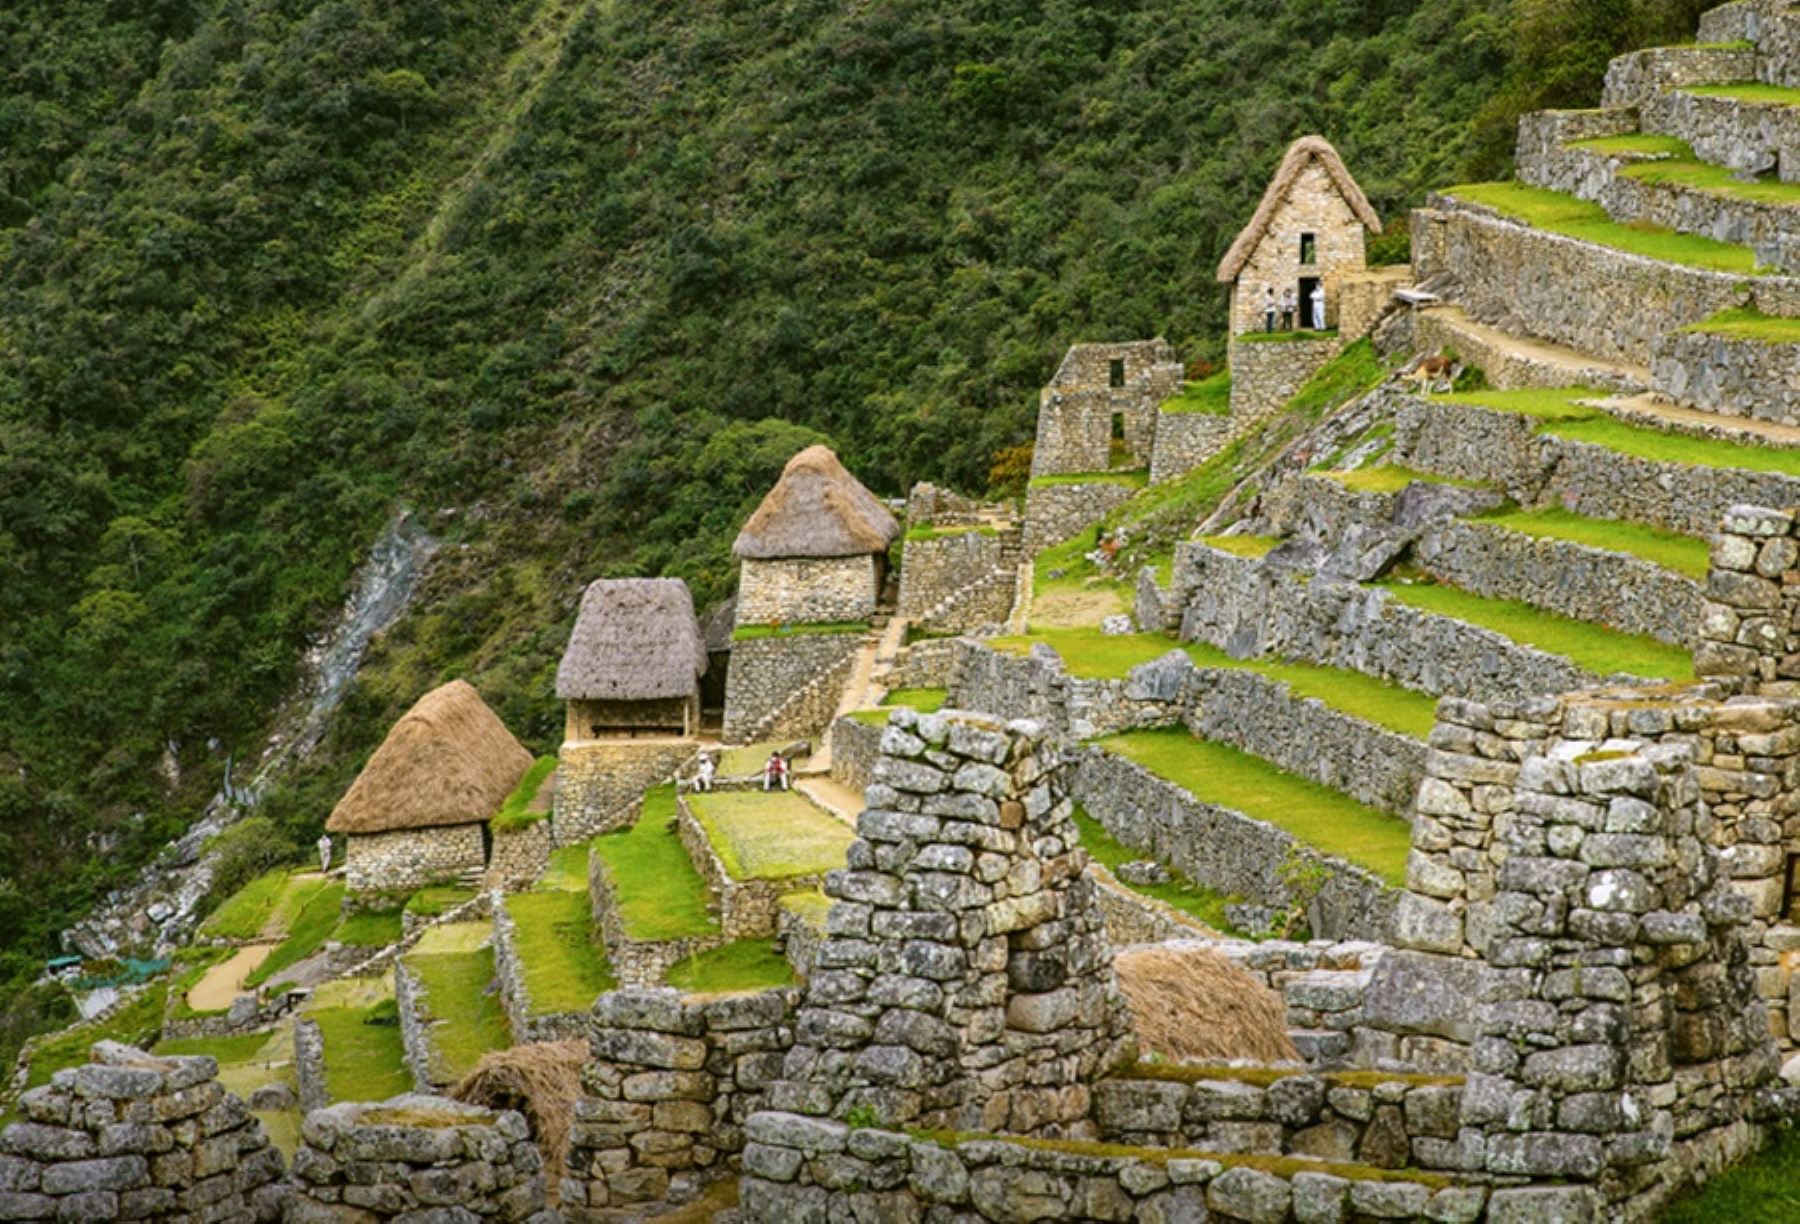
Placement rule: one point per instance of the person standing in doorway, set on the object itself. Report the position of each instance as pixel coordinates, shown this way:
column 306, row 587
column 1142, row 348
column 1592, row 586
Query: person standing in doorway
column 1268, row 308
column 1318, row 307
column 1290, row 304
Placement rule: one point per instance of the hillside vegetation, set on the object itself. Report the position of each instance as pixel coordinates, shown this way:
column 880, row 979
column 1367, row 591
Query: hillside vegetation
column 573, row 280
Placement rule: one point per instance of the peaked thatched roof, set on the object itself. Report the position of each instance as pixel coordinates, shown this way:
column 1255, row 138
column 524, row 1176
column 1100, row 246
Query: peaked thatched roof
column 635, row 640
column 448, row 761
column 816, row 509
column 1299, row 154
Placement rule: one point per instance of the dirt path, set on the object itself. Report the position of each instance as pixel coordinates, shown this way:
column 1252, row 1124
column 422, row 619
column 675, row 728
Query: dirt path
column 833, row 796
column 1661, row 413
column 224, row 982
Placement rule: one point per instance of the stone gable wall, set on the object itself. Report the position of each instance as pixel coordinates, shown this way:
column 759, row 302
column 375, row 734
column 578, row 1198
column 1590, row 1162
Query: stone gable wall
column 601, row 784
column 1313, row 205
column 409, row 859
column 806, row 591
column 1076, row 410
column 130, row 1136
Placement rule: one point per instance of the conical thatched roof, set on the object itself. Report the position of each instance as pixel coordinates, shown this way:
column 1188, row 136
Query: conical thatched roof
column 635, row 640
column 448, row 761
column 1299, row 155
column 816, row 509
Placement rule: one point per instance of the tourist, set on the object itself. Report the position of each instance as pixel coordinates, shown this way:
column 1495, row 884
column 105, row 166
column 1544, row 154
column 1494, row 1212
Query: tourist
column 1268, row 308
column 324, row 852
column 703, row 776
column 775, row 772
column 1318, row 308
column 1290, row 308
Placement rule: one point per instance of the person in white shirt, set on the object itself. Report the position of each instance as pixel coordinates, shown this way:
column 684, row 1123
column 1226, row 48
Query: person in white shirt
column 325, row 852
column 1318, row 308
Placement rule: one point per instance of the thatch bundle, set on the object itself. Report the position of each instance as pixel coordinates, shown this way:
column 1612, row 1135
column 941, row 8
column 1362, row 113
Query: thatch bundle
column 541, row 1081
column 1299, row 153
column 816, row 509
column 1190, row 1004
column 448, row 761
column 635, row 640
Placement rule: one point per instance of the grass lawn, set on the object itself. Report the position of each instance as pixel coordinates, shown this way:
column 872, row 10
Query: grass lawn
column 1564, row 418
column 565, row 966
column 1681, row 553
column 568, row 869
column 743, row 964
column 1556, row 213
column 1285, row 337
column 924, row 700
column 1237, row 545
column 369, row 929
column 363, row 1062
column 1209, row 396
column 519, row 811
column 437, row 900
column 315, row 917
column 1636, row 144
column 1181, row 893
column 1388, row 478
column 751, row 633
column 1754, row 92
column 459, row 992
column 1091, row 655
column 1763, row 1190
column 1591, row 647
column 1327, row 820
column 1749, row 324
column 770, row 836
column 137, row 1023
column 1134, row 479
column 925, row 531
column 236, row 1049
column 246, row 911
column 660, row 895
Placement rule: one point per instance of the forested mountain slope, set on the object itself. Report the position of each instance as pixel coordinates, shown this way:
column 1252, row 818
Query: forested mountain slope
column 573, row 279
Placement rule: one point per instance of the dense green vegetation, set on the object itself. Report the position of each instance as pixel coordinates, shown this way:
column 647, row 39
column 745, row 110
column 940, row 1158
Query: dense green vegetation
column 573, row 280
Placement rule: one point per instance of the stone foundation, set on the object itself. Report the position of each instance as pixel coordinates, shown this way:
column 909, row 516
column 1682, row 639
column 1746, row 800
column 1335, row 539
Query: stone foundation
column 132, row 1136
column 1266, row 374
column 601, row 783
column 409, row 859
column 806, row 591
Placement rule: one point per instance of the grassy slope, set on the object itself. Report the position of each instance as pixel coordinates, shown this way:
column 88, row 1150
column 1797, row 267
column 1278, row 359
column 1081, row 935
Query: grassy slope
column 363, row 1061
column 1322, row 818
column 1209, row 396
column 315, row 915
column 743, row 964
column 1557, row 213
column 660, row 895
column 459, row 992
column 246, row 912
column 565, row 966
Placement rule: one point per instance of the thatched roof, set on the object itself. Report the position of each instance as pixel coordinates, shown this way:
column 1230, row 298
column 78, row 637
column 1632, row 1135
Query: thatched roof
column 816, row 509
column 448, row 761
column 1299, row 154
column 635, row 640
column 1188, row 1003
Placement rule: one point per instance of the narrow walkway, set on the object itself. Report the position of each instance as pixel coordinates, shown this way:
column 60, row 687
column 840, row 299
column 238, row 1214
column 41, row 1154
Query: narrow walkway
column 833, row 796
column 1567, row 367
column 858, row 687
column 1660, row 413
column 224, row 982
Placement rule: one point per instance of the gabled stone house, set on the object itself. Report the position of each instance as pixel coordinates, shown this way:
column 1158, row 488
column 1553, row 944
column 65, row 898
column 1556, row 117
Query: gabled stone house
column 418, row 812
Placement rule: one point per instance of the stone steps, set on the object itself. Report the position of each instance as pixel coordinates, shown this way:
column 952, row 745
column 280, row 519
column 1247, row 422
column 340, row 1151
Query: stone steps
column 1511, row 362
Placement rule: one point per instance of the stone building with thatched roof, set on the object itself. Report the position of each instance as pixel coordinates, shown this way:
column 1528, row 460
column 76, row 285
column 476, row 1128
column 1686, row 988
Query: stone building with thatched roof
column 418, row 812
column 634, row 662
column 1307, row 233
column 813, row 558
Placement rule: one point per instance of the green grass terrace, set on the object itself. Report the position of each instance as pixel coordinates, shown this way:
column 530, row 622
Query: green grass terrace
column 660, row 895
column 1208, row 396
column 1666, row 160
column 1134, row 478
column 1565, row 414
column 1682, row 554
column 365, row 1059
column 1594, row 648
column 1387, row 478
column 1327, row 820
column 1088, row 654
column 924, row 700
column 460, row 996
column 773, row 835
column 742, row 965
column 565, row 966
column 1749, row 324
column 1556, row 213
column 1197, row 902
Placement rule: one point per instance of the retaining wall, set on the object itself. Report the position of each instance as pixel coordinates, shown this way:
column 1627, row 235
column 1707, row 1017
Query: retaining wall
column 522, row 1018
column 1267, row 374
column 601, row 783
column 1057, row 512
column 1737, row 378
column 748, row 909
column 767, row 673
column 855, row 747
column 637, row 962
column 1185, row 440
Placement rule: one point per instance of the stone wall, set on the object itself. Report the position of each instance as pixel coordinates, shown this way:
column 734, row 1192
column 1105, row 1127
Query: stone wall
column 1035, row 686
column 1767, row 23
column 806, row 591
column 1266, row 374
column 636, row 962
column 1738, row 378
column 1223, row 849
column 416, row 1157
column 1447, row 328
column 524, row 1020
column 1313, row 205
column 1057, row 512
column 931, row 663
column 131, row 1136
column 668, row 1088
column 767, row 674
column 309, row 1064
column 601, row 783
column 796, row 1164
column 1636, row 78
column 1584, row 583
column 409, row 859
column 1602, row 301
column 1185, row 440
column 855, row 747
column 415, row 1029
column 1746, row 138
column 519, row 856
column 930, row 505
column 1383, row 1122
column 1076, row 412
column 748, row 909
column 1365, row 298
column 1748, row 636
column 1504, row 449
column 979, row 564
column 1325, row 984
column 1136, row 918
